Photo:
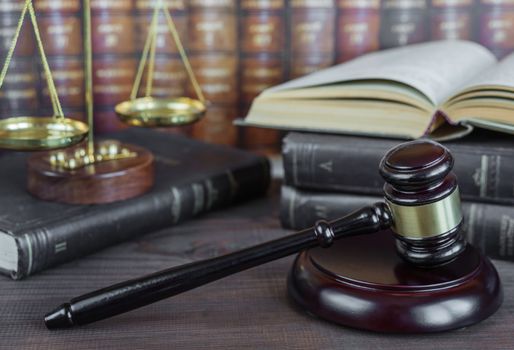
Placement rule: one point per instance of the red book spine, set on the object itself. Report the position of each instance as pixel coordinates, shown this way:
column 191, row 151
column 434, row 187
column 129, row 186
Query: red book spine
column 213, row 47
column 312, row 33
column 451, row 19
column 60, row 23
column 496, row 26
column 403, row 22
column 358, row 28
column 262, row 57
column 18, row 95
column 114, row 62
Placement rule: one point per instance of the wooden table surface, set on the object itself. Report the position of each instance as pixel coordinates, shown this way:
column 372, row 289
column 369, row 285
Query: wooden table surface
column 249, row 310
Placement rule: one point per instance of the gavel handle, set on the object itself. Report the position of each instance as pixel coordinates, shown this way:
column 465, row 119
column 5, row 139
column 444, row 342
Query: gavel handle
column 135, row 293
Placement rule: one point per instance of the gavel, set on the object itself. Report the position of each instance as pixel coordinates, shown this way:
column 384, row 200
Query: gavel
column 421, row 207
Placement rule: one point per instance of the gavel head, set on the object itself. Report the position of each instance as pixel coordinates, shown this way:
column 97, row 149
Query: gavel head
column 422, row 195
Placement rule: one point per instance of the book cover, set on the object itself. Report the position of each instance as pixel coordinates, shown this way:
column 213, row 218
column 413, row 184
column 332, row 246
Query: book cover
column 484, row 164
column 489, row 227
column 190, row 178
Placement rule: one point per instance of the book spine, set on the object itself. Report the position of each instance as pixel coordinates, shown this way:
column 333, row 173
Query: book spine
column 358, row 28
column 18, row 95
column 60, row 242
column 496, row 26
column 451, row 20
column 262, row 60
column 213, row 47
column 403, row 22
column 60, row 23
column 311, row 36
column 485, row 174
column 114, row 62
column 488, row 227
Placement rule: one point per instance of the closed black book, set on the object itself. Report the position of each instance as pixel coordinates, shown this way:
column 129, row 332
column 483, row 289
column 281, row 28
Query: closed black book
column 190, row 178
column 489, row 227
column 484, row 164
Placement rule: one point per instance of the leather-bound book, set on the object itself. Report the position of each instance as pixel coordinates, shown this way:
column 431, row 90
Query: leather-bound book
column 213, row 47
column 451, row 19
column 487, row 226
column 312, row 35
column 262, row 55
column 114, row 61
column 9, row 16
column 113, row 76
column 403, row 22
column 191, row 178
column 60, row 23
column 484, row 164
column 357, row 30
column 496, row 26
column 18, row 95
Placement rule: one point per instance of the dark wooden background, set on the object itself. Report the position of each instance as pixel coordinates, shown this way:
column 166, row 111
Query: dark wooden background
column 247, row 310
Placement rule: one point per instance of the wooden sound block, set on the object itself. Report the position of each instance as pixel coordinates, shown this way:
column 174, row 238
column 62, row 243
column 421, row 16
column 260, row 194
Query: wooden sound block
column 103, row 182
column 361, row 282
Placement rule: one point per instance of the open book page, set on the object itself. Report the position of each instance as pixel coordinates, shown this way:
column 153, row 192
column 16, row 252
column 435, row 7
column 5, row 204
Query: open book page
column 498, row 76
column 436, row 68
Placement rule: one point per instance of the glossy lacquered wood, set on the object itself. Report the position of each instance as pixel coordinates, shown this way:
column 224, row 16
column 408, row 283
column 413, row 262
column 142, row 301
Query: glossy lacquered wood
column 132, row 294
column 102, row 182
column 362, row 283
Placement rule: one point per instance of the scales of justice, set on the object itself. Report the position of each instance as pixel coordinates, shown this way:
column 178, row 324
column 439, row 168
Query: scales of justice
column 73, row 167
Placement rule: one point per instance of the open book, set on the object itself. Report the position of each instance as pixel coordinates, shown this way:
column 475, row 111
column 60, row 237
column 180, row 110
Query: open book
column 440, row 88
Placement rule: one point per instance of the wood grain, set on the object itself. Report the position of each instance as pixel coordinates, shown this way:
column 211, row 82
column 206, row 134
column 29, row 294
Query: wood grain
column 244, row 311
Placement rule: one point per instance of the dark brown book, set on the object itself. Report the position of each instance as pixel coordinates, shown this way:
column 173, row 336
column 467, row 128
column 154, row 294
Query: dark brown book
column 114, row 61
column 191, row 178
column 18, row 95
column 451, row 20
column 484, row 164
column 113, row 76
column 496, row 26
column 403, row 22
column 26, row 43
column 165, row 45
column 312, row 35
column 358, row 28
column 213, row 48
column 60, row 23
column 488, row 227
column 217, row 126
column 262, row 62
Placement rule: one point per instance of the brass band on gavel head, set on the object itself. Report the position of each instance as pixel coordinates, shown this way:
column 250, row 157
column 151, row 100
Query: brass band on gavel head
column 427, row 220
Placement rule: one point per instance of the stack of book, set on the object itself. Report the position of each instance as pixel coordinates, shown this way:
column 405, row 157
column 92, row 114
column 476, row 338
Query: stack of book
column 374, row 103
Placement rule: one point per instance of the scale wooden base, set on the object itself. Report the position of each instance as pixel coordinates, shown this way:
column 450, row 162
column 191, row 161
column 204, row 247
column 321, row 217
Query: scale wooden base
column 361, row 282
column 101, row 182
